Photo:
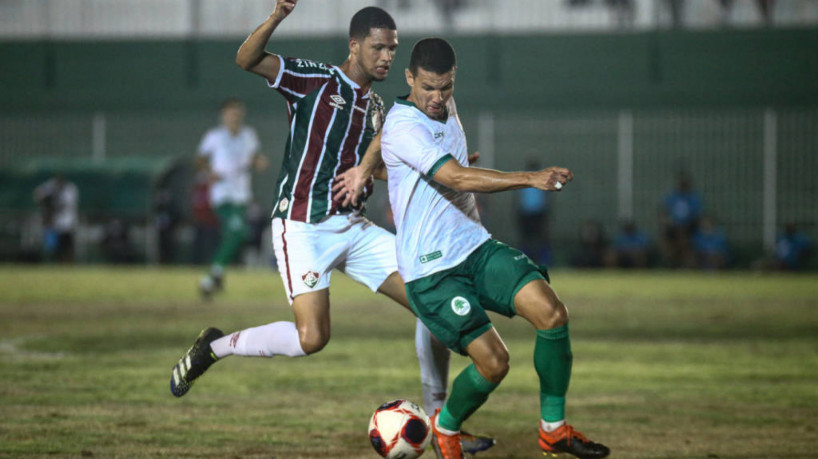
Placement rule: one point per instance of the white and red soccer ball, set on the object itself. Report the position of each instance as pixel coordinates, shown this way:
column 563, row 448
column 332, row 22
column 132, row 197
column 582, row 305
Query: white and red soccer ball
column 400, row 429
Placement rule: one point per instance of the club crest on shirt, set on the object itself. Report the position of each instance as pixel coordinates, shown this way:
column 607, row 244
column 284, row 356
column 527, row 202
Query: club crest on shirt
column 283, row 204
column 310, row 278
column 460, row 306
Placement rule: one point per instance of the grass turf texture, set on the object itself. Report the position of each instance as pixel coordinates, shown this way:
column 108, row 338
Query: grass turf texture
column 666, row 365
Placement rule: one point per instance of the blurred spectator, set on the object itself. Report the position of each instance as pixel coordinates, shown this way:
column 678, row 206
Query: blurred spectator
column 631, row 248
column 116, row 243
column 165, row 219
column 593, row 245
column 59, row 203
column 676, row 8
column 765, row 9
column 205, row 222
column 710, row 245
column 623, row 12
column 448, row 8
column 792, row 248
column 532, row 220
column 679, row 221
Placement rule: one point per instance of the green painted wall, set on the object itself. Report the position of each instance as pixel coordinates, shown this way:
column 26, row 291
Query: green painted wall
column 652, row 69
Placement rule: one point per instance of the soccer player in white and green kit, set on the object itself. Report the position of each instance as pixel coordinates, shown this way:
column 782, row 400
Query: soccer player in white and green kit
column 454, row 271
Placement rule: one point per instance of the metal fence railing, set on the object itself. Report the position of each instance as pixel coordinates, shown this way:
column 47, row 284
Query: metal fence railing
column 753, row 168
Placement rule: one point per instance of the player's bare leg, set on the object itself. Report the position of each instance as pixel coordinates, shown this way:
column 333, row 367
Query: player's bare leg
column 434, row 358
column 538, row 303
column 312, row 320
column 307, row 335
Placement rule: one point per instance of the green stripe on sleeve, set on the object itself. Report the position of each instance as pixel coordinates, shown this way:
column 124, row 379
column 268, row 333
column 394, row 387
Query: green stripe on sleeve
column 438, row 164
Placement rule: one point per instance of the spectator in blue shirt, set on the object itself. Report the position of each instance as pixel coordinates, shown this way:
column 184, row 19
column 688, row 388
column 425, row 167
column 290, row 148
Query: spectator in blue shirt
column 710, row 245
column 680, row 219
column 792, row 248
column 532, row 220
column 631, row 247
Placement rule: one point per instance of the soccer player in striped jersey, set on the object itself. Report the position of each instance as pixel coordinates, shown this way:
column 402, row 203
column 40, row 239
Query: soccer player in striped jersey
column 453, row 269
column 333, row 117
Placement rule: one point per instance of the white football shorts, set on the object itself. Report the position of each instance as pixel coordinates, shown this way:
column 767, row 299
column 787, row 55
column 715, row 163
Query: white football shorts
column 308, row 252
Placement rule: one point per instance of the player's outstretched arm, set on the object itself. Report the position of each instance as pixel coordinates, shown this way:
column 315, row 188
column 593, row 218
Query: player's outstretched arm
column 349, row 186
column 252, row 55
column 475, row 179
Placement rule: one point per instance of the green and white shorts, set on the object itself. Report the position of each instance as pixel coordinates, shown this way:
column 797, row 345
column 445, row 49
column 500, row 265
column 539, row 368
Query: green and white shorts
column 453, row 303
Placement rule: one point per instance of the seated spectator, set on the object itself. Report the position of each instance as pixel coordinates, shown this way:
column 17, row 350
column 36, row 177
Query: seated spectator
column 116, row 243
column 532, row 220
column 631, row 248
column 593, row 245
column 710, row 246
column 679, row 220
column 792, row 248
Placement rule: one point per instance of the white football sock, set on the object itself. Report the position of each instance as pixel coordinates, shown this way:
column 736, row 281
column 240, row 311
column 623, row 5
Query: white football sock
column 433, row 357
column 551, row 426
column 277, row 338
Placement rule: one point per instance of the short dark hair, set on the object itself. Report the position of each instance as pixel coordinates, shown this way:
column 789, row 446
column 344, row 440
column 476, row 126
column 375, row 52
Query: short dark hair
column 231, row 102
column 368, row 18
column 433, row 55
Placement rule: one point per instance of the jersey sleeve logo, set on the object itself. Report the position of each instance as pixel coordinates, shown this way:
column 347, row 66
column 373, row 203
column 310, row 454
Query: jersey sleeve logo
column 460, row 306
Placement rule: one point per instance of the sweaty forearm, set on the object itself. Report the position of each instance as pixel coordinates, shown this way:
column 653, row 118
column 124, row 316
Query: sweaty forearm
column 479, row 180
column 252, row 50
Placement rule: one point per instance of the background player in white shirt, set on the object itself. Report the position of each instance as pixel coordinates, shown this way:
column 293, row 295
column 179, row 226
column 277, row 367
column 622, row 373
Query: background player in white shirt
column 454, row 271
column 229, row 153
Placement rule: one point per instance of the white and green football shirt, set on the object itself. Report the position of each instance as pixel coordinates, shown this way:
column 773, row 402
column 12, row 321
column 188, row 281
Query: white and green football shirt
column 231, row 157
column 438, row 227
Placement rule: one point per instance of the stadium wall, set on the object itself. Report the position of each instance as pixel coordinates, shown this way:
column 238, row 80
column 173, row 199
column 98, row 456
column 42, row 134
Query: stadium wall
column 652, row 69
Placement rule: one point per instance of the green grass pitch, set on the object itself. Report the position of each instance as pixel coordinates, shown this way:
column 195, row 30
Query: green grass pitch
column 666, row 365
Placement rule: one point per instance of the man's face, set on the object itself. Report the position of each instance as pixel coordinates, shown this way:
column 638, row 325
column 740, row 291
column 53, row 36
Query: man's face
column 376, row 52
column 233, row 116
column 430, row 91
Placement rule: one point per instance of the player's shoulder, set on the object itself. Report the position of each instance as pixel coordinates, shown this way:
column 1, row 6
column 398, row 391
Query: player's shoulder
column 215, row 132
column 403, row 112
column 399, row 118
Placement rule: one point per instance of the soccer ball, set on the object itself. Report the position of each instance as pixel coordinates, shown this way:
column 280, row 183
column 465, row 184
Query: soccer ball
column 400, row 430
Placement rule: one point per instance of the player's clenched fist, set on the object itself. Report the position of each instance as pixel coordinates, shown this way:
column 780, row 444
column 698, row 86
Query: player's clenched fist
column 553, row 178
column 284, row 8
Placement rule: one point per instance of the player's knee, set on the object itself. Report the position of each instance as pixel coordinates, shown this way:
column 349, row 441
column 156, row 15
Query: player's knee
column 554, row 314
column 312, row 340
column 559, row 315
column 495, row 368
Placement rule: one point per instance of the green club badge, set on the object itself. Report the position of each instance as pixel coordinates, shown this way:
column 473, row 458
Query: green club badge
column 460, row 306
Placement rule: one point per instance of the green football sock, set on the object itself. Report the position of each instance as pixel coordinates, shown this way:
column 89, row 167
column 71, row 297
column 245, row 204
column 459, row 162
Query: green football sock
column 552, row 360
column 470, row 391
